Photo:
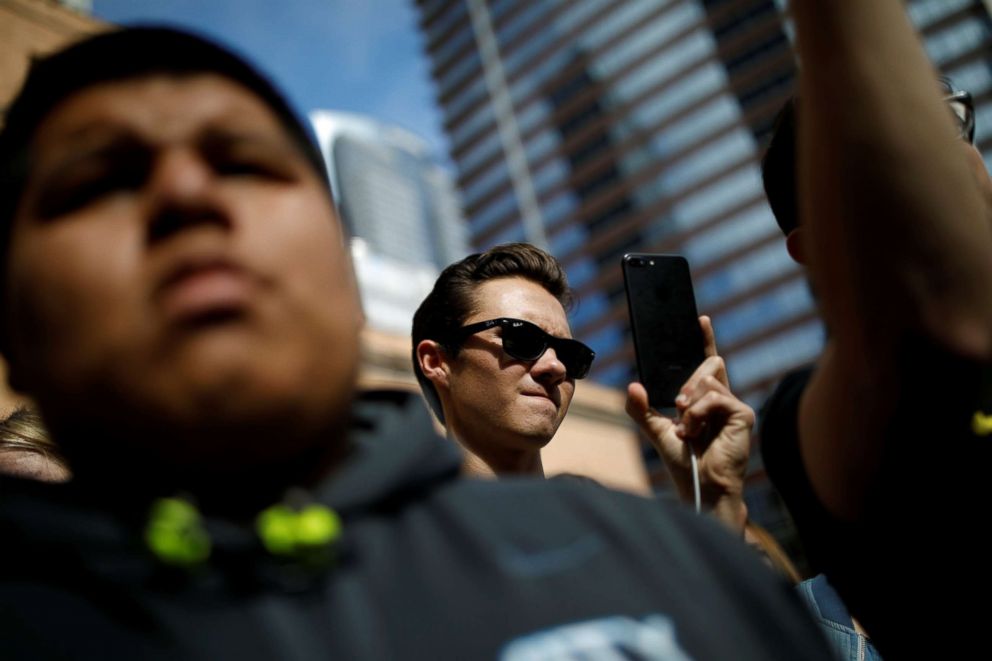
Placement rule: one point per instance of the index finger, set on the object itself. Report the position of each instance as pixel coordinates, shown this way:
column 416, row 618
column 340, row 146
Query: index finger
column 709, row 337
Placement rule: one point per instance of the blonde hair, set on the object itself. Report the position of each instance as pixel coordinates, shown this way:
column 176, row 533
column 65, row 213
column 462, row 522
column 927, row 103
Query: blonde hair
column 763, row 541
column 23, row 431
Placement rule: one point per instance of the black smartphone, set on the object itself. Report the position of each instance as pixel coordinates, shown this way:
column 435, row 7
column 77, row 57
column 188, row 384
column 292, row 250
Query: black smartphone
column 668, row 340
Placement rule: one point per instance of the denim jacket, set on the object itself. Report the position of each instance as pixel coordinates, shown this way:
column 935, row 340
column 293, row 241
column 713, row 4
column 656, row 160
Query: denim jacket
column 832, row 616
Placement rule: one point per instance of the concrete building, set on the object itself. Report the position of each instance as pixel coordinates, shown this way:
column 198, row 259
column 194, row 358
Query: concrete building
column 34, row 27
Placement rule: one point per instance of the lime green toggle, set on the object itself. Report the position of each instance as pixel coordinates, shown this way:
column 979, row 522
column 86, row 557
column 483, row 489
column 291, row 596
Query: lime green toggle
column 981, row 424
column 175, row 533
column 285, row 531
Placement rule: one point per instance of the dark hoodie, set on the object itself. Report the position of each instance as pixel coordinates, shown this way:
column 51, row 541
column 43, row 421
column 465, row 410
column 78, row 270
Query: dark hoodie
column 429, row 566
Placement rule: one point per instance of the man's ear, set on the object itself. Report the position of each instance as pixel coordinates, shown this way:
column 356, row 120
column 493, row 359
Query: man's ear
column 433, row 361
column 794, row 244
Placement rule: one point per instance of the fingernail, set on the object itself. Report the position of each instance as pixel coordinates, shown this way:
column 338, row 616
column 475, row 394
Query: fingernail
column 682, row 399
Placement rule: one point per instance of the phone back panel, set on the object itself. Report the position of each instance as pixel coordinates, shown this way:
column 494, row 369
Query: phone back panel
column 667, row 338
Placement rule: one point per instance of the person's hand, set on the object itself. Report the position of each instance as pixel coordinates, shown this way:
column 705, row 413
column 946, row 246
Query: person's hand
column 715, row 423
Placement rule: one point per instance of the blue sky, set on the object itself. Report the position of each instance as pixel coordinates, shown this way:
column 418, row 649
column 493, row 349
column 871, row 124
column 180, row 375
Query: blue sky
column 362, row 56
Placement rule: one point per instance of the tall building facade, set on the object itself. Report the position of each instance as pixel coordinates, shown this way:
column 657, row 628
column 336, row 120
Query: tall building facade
column 399, row 206
column 600, row 127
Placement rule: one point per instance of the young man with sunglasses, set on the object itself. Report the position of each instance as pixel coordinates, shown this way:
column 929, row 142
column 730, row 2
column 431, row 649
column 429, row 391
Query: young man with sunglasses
column 887, row 443
column 494, row 355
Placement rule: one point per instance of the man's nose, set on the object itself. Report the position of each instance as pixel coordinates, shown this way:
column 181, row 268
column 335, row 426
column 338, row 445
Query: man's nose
column 183, row 190
column 548, row 369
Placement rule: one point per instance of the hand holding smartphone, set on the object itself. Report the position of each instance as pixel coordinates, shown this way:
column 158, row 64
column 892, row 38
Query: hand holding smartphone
column 668, row 340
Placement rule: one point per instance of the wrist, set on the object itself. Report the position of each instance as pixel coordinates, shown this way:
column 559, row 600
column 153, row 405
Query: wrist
column 724, row 502
column 731, row 511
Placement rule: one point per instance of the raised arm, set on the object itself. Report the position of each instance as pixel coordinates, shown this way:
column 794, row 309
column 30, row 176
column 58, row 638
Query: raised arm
column 898, row 239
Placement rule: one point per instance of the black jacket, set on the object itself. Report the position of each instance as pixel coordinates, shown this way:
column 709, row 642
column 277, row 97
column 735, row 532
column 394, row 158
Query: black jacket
column 429, row 566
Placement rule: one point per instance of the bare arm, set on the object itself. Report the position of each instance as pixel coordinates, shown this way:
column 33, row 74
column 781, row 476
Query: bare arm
column 898, row 230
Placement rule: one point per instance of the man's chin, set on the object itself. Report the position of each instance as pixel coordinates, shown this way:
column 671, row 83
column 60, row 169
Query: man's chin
column 537, row 435
column 230, row 402
column 255, row 394
column 541, row 419
column 221, row 431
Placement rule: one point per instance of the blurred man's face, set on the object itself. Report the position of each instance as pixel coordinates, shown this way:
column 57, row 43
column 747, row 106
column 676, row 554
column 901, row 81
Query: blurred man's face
column 175, row 265
column 496, row 399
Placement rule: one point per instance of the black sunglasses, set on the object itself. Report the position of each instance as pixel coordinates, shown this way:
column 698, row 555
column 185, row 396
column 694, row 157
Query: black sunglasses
column 525, row 341
column 963, row 109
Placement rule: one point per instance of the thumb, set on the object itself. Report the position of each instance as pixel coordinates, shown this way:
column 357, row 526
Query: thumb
column 640, row 411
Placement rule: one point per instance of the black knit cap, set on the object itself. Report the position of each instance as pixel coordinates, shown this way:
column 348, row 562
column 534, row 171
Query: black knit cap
column 119, row 55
